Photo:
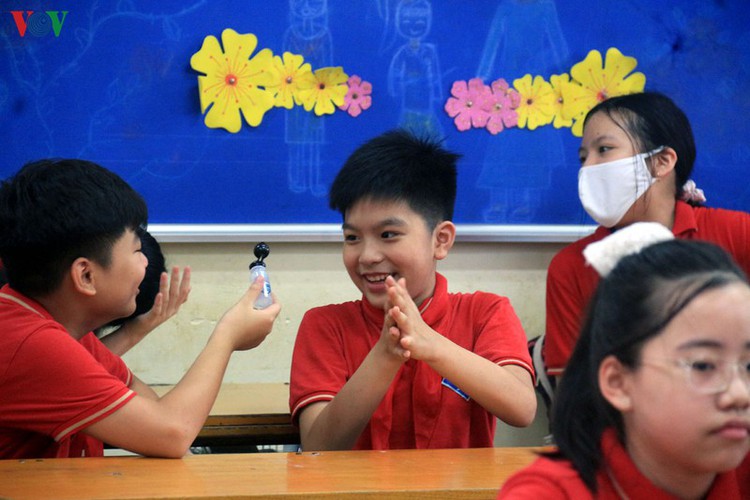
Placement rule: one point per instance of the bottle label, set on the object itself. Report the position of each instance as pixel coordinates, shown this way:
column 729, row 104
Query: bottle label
column 264, row 299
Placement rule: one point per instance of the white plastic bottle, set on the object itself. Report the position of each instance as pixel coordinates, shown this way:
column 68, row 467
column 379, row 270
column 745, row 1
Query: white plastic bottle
column 258, row 268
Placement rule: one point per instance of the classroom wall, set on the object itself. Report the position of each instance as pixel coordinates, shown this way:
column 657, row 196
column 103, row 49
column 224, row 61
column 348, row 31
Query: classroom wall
column 308, row 274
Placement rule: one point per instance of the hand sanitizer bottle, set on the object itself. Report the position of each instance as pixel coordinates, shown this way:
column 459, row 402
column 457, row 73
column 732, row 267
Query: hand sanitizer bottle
column 258, row 268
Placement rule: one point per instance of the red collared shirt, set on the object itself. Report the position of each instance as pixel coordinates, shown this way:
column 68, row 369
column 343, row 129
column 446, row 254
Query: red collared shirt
column 334, row 340
column 571, row 282
column 52, row 385
column 619, row 478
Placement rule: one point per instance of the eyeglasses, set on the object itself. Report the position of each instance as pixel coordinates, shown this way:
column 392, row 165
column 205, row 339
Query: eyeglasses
column 711, row 376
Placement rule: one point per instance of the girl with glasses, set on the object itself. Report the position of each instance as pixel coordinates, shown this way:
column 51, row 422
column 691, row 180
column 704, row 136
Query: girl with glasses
column 655, row 401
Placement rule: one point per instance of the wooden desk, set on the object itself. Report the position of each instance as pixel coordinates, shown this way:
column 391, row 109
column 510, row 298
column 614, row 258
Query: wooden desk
column 247, row 415
column 397, row 474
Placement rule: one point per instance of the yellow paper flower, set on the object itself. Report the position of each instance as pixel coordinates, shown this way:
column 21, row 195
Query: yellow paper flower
column 328, row 92
column 536, row 107
column 594, row 82
column 291, row 76
column 558, row 82
column 233, row 83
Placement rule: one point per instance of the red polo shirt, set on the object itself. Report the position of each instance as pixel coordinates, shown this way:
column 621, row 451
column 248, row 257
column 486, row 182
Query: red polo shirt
column 571, row 282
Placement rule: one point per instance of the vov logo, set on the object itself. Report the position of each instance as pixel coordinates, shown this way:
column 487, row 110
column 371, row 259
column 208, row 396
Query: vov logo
column 39, row 23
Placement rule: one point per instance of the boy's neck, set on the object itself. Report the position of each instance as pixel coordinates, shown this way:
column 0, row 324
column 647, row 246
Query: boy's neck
column 68, row 313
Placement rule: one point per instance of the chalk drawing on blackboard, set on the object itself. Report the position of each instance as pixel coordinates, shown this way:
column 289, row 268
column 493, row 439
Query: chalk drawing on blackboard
column 40, row 81
column 524, row 37
column 307, row 35
column 414, row 74
column 386, row 10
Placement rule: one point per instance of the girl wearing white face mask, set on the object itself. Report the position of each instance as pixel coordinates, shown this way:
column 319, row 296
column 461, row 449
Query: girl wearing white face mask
column 637, row 154
column 608, row 190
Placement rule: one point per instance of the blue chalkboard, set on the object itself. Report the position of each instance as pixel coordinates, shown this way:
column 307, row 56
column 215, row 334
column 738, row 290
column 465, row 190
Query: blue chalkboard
column 111, row 81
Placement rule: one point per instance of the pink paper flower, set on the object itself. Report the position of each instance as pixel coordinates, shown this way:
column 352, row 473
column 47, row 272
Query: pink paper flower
column 469, row 105
column 503, row 103
column 357, row 98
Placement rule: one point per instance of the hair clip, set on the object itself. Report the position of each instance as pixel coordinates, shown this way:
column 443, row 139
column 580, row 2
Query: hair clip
column 603, row 255
column 690, row 192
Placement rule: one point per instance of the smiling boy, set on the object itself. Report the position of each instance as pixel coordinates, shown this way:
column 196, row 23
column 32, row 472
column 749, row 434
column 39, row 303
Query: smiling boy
column 71, row 249
column 409, row 365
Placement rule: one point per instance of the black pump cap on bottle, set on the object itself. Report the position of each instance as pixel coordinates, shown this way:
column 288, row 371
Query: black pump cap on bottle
column 261, row 251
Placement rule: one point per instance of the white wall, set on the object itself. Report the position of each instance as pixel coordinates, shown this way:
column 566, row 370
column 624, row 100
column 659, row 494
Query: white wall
column 308, row 274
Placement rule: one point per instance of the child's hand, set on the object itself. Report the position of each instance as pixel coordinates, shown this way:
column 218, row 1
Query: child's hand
column 390, row 337
column 416, row 337
column 245, row 326
column 173, row 292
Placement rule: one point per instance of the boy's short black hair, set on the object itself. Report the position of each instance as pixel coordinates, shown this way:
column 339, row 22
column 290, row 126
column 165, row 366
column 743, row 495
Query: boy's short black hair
column 54, row 211
column 399, row 166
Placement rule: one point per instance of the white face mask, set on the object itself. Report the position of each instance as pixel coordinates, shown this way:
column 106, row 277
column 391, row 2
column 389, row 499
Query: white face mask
column 608, row 190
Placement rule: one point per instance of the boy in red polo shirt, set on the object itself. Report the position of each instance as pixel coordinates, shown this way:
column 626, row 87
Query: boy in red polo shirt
column 410, row 365
column 71, row 251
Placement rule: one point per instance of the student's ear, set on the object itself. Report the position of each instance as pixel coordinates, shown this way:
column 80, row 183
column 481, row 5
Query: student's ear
column 445, row 235
column 614, row 383
column 663, row 162
column 82, row 276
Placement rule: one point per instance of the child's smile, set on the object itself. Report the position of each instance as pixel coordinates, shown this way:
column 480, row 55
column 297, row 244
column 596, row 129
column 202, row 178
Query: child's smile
column 387, row 238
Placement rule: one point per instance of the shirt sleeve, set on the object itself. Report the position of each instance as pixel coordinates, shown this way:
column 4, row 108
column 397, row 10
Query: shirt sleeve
column 733, row 233
column 564, row 307
column 570, row 285
column 501, row 337
column 110, row 361
column 318, row 369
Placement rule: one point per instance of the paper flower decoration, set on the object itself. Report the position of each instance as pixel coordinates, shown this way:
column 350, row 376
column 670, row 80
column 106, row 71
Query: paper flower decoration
column 595, row 82
column 536, row 107
column 469, row 104
column 357, row 98
column 291, row 76
column 232, row 84
column 559, row 83
column 327, row 92
column 503, row 102
column 564, row 101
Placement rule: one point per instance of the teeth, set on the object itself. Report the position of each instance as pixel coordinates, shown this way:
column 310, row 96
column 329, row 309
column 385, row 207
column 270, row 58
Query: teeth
column 376, row 278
